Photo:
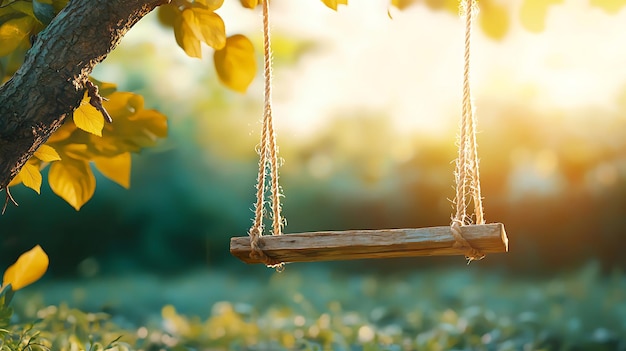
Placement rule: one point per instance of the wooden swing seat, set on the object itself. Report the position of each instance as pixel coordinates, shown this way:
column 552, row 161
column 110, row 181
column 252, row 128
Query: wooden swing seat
column 365, row 244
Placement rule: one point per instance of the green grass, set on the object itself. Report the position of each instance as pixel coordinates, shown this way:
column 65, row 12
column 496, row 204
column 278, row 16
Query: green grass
column 313, row 308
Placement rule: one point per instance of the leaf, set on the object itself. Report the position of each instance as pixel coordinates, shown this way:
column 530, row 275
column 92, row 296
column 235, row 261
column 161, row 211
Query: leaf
column 23, row 7
column 402, row 4
column 28, row 268
column 47, row 153
column 445, row 5
column 105, row 89
column 13, row 32
column 44, row 11
column 116, row 168
column 610, row 6
column 494, row 20
column 206, row 26
column 185, row 38
column 235, row 63
column 334, row 3
column 87, row 118
column 64, row 132
column 249, row 4
column 72, row 180
column 15, row 181
column 133, row 127
column 210, row 5
column 533, row 14
column 167, row 15
column 31, row 176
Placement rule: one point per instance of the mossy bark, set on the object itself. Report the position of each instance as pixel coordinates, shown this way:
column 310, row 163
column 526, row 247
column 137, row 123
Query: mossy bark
column 51, row 82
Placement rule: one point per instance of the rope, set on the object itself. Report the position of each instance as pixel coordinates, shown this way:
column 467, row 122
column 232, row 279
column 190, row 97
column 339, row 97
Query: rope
column 467, row 175
column 268, row 153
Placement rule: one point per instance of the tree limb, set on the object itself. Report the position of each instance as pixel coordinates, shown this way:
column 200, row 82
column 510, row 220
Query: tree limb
column 50, row 84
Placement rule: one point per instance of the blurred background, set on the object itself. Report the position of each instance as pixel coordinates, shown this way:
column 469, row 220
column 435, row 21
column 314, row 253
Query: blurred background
column 367, row 102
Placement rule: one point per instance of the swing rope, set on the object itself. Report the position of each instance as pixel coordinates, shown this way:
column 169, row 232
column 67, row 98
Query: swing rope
column 268, row 161
column 467, row 175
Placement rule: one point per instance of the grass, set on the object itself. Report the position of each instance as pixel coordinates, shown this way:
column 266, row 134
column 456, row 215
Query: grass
column 312, row 308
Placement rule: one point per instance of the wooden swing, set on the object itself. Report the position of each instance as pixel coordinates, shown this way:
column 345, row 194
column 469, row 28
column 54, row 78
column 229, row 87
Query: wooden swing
column 461, row 237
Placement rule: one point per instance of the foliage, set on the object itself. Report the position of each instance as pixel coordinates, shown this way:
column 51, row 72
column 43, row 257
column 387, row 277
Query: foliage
column 86, row 139
column 316, row 308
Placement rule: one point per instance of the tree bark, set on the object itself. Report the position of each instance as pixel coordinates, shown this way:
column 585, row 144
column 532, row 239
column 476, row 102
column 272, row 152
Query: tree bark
column 51, row 82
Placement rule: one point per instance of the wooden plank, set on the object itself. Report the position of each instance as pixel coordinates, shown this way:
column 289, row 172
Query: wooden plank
column 382, row 243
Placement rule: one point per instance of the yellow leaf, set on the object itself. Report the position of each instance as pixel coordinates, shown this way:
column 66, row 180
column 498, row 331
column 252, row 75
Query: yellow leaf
column 31, row 176
column 64, row 132
column 446, row 5
column 87, row 118
column 334, row 3
column 206, row 26
column 72, row 180
column 210, row 5
column 185, row 38
column 402, row 4
column 15, row 181
column 133, row 127
column 610, row 6
column 249, row 4
column 116, row 168
column 28, row 268
column 494, row 19
column 533, row 14
column 167, row 15
column 47, row 153
column 104, row 88
column 235, row 63
column 14, row 31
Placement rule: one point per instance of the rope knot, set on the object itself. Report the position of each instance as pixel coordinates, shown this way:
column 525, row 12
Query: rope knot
column 471, row 254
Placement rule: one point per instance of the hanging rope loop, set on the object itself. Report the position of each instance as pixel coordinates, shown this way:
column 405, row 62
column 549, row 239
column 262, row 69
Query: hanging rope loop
column 268, row 161
column 467, row 174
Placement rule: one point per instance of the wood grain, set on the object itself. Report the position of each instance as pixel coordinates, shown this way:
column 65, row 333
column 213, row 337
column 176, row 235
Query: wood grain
column 381, row 243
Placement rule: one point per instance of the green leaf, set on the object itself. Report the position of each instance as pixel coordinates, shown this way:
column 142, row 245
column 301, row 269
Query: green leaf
column 58, row 5
column 28, row 268
column 24, row 7
column 6, row 295
column 87, row 118
column 47, row 153
column 72, row 180
column 43, row 11
column 13, row 32
column 116, row 168
column 235, row 63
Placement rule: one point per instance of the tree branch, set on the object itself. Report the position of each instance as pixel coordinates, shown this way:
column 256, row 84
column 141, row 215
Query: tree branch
column 52, row 81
